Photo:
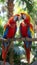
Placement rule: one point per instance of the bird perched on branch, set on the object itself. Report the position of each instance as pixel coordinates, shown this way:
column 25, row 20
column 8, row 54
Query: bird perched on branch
column 10, row 30
column 25, row 30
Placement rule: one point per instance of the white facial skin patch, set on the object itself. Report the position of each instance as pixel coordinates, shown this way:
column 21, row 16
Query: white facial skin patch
column 24, row 16
column 15, row 18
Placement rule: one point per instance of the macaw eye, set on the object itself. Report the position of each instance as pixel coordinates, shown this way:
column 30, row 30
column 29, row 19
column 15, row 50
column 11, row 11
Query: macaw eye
column 15, row 18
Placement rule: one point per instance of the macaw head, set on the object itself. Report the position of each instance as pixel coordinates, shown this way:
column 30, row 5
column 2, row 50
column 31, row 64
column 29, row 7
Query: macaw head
column 23, row 16
column 16, row 17
column 26, row 18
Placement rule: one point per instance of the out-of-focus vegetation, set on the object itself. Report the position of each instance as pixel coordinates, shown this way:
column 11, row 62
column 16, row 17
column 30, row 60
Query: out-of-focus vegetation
column 29, row 6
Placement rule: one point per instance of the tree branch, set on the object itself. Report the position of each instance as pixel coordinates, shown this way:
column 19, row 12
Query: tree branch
column 18, row 39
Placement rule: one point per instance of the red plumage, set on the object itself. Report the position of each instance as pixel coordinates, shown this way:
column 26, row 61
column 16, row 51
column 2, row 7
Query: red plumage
column 24, row 29
column 27, row 53
column 12, row 27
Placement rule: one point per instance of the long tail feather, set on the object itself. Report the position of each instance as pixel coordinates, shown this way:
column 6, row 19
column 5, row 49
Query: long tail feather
column 27, row 53
column 4, row 54
column 4, row 61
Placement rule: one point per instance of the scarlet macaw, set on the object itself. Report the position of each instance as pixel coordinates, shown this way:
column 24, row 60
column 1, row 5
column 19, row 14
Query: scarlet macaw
column 26, row 32
column 10, row 30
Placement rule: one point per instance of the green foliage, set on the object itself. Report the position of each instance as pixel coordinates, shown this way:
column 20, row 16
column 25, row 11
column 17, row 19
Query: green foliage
column 29, row 5
column 1, row 33
column 16, row 58
column 2, row 0
column 1, row 30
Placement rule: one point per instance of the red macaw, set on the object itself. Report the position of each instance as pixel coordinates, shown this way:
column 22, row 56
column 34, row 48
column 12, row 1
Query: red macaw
column 25, row 32
column 10, row 30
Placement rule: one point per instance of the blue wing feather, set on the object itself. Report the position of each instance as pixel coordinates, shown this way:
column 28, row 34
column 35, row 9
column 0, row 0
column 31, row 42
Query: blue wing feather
column 5, row 32
column 5, row 44
column 29, row 33
column 28, row 44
